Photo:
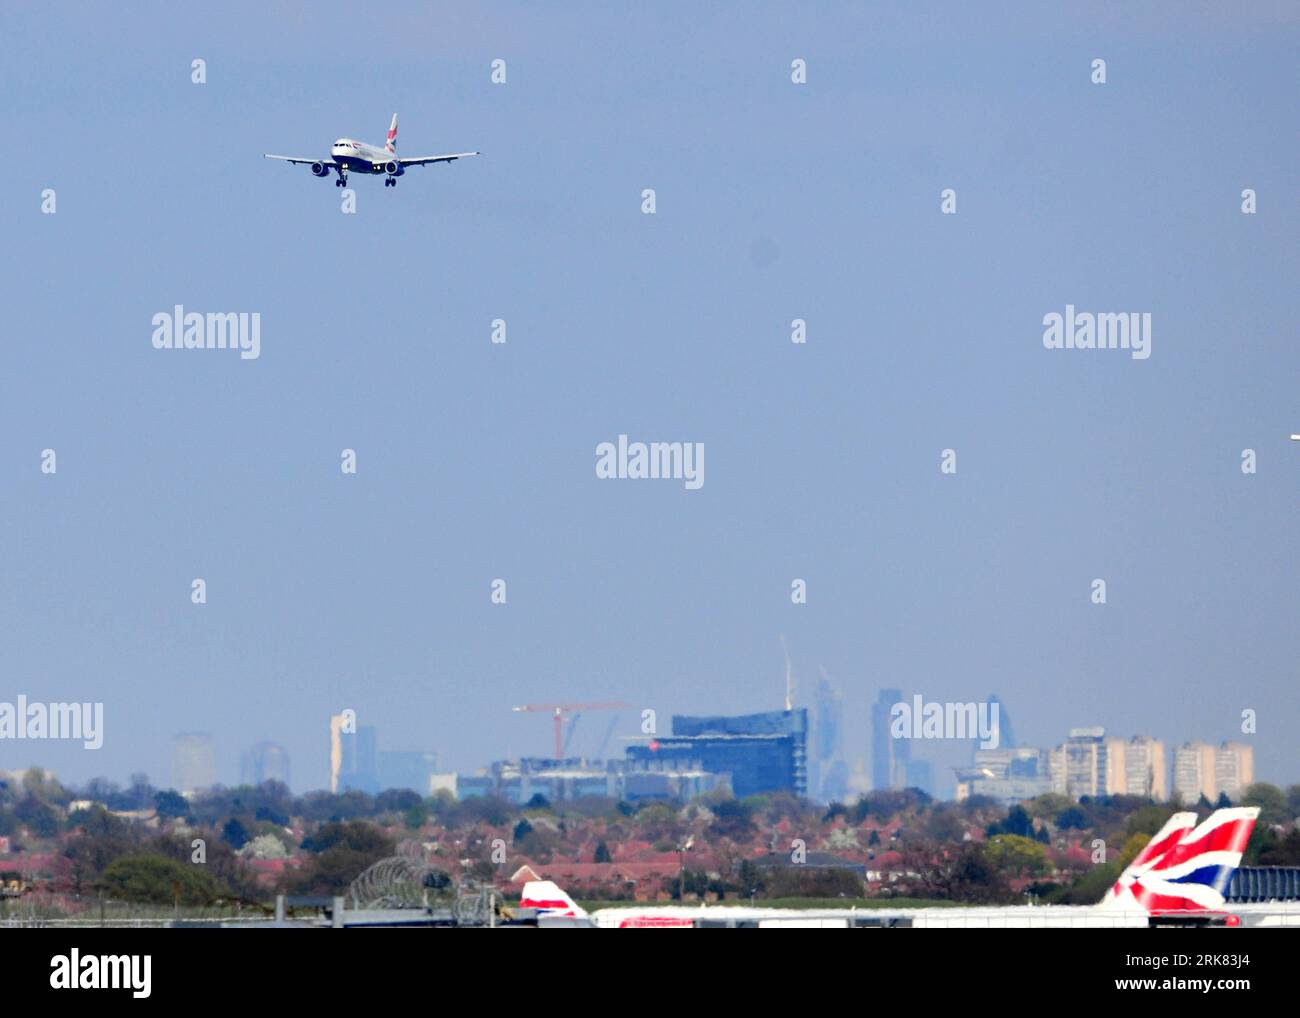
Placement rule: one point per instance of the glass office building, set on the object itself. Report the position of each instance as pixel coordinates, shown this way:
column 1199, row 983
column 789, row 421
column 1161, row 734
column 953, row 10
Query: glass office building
column 760, row 752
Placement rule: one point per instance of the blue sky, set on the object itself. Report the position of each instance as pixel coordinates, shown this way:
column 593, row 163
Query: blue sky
column 775, row 202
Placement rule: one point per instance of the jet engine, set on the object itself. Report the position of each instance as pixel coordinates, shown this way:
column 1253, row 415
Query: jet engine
column 320, row 169
column 390, row 168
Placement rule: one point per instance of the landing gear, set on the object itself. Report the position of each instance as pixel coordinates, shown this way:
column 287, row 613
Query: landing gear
column 343, row 178
column 390, row 182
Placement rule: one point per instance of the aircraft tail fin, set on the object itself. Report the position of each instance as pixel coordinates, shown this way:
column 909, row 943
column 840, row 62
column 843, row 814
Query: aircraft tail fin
column 1161, row 842
column 1192, row 873
column 391, row 144
column 549, row 899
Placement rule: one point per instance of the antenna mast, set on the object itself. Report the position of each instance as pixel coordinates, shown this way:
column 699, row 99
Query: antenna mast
column 789, row 679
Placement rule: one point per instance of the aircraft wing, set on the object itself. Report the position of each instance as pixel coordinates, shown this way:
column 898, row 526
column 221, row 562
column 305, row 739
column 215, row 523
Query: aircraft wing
column 421, row 160
column 295, row 159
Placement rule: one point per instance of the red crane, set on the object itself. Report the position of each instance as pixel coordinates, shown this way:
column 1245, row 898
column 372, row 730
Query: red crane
column 560, row 710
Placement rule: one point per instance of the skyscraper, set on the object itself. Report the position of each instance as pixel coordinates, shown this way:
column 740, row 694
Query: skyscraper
column 194, row 762
column 1006, row 734
column 1136, row 767
column 829, row 778
column 354, row 753
column 1234, row 769
column 1078, row 766
column 1204, row 770
column 889, row 756
column 267, row 761
column 765, row 752
column 407, row 769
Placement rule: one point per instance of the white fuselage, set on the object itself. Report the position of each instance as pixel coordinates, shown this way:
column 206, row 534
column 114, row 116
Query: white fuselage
column 358, row 157
column 1023, row 916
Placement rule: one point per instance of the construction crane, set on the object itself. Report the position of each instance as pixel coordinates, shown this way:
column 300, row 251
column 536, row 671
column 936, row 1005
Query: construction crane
column 559, row 711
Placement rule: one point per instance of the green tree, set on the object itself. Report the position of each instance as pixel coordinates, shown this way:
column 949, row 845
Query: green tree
column 1280, row 851
column 1147, row 819
column 1073, row 817
column 340, row 851
column 965, row 874
column 38, row 816
column 171, row 804
column 397, row 800
column 234, row 833
column 1017, row 856
column 732, row 819
column 1017, row 822
column 1270, row 799
column 157, row 880
column 602, row 853
column 102, row 838
column 416, row 817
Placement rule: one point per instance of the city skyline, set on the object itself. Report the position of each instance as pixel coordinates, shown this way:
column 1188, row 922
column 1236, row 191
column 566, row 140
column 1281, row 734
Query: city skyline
column 1187, row 769
column 926, row 327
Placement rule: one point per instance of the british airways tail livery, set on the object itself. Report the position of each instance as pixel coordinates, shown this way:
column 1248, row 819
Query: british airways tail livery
column 1120, row 896
column 548, row 899
column 1191, row 871
column 350, row 156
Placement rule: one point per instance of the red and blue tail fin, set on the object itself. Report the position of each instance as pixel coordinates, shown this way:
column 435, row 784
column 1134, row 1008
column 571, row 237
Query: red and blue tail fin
column 391, row 144
column 1188, row 872
column 1121, row 895
column 548, row 899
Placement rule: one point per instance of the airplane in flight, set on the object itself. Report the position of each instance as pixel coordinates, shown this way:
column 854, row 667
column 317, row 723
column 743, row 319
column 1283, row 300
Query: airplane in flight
column 1180, row 878
column 350, row 156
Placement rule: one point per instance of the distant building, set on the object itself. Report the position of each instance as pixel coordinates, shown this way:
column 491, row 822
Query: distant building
column 829, row 774
column 15, row 780
column 1234, row 769
column 920, row 774
column 443, row 783
column 518, row 781
column 1006, row 733
column 267, row 761
column 412, row 770
column 1078, row 766
column 1007, row 774
column 1006, row 736
column 677, row 786
column 194, row 762
column 889, row 756
column 765, row 752
column 469, row 785
column 859, row 781
column 1137, row 767
column 810, row 861
column 358, row 767
column 1204, row 770
column 337, row 722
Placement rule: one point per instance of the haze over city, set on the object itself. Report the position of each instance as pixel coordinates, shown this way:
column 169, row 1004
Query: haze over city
column 476, row 461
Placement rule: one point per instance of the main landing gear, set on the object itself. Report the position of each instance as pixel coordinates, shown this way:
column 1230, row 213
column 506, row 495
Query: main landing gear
column 390, row 182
